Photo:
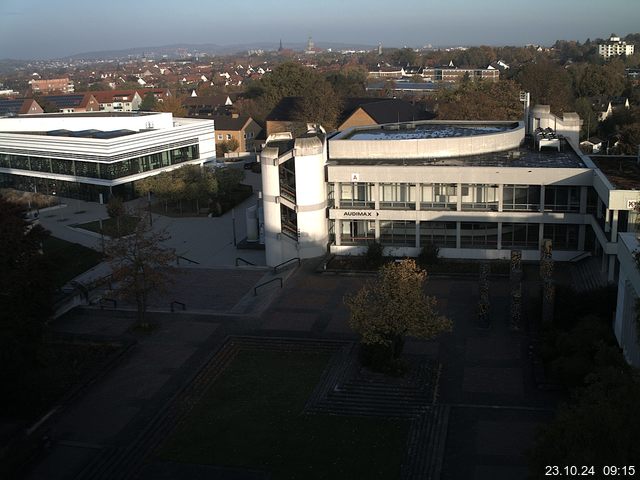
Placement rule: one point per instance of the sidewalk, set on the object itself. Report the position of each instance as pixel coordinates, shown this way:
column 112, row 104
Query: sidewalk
column 207, row 241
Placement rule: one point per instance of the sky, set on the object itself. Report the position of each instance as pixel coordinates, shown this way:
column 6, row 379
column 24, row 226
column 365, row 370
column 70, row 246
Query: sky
column 40, row 29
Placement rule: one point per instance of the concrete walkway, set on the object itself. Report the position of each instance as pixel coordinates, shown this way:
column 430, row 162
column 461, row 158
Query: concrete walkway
column 207, row 241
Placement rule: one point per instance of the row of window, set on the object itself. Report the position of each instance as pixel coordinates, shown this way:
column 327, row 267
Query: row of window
column 443, row 196
column 229, row 136
column 105, row 171
column 472, row 234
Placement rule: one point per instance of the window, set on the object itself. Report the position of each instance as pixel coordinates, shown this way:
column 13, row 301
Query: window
column 562, row 199
column 440, row 234
column 358, row 232
column 356, row 195
column 520, row 235
column 228, row 136
column 479, row 235
column 398, row 233
column 398, row 195
column 289, row 222
column 219, row 136
column 480, row 197
column 521, row 197
column 439, row 196
column 563, row 237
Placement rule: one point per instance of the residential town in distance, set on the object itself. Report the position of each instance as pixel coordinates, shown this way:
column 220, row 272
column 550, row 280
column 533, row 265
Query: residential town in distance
column 322, row 261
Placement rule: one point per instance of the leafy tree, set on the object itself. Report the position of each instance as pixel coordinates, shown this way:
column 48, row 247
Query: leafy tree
column 141, row 266
column 404, row 57
column 173, row 105
column 599, row 427
column 391, row 307
column 584, row 108
column 228, row 179
column 479, row 100
column 25, row 298
column 548, row 83
column 148, row 103
column 226, row 147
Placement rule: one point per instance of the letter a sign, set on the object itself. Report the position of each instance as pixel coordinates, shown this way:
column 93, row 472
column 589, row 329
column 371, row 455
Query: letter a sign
column 355, row 177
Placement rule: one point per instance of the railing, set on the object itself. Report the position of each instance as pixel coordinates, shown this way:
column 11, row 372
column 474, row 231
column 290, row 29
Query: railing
column 580, row 256
column 255, row 289
column 180, row 257
column 290, row 231
column 240, row 259
column 275, row 269
column 356, row 204
column 175, row 302
column 398, row 205
column 288, row 192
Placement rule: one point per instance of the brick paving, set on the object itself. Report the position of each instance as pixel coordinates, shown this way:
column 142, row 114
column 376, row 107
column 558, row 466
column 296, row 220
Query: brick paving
column 486, row 406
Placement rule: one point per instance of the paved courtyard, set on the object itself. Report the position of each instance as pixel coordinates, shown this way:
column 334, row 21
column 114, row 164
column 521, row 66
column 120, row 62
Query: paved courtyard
column 493, row 408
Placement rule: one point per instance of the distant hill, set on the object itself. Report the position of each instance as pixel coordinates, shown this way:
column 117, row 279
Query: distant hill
column 178, row 50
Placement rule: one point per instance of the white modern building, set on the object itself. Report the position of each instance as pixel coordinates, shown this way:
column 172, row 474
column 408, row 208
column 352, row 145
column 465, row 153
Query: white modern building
column 85, row 155
column 476, row 190
column 615, row 47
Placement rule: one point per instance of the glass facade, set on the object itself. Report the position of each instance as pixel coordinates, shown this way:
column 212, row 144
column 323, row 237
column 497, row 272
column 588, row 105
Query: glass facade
column 358, row 232
column 439, row 196
column 521, row 197
column 520, row 235
column 479, row 197
column 398, row 233
column 356, row 195
column 563, row 237
column 440, row 234
column 398, row 196
column 562, row 199
column 479, row 235
column 101, row 170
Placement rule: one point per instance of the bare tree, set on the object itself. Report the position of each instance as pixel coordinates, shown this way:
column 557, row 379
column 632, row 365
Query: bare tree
column 141, row 265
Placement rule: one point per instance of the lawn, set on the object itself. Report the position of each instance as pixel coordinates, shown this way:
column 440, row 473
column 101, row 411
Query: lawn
column 68, row 259
column 252, row 417
column 110, row 226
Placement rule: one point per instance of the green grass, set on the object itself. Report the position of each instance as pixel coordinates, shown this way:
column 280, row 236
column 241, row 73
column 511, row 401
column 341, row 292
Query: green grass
column 251, row 417
column 110, row 226
column 68, row 259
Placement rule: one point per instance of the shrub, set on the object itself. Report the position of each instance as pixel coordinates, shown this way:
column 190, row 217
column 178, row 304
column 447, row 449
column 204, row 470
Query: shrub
column 374, row 256
column 429, row 255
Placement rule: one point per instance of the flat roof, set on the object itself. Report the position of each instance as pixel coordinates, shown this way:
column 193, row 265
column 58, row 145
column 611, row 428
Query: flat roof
column 523, row 157
column 422, row 130
column 88, row 114
column 623, row 172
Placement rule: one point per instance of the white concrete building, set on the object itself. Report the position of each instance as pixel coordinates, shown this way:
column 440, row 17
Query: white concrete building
column 615, row 47
column 477, row 190
column 87, row 154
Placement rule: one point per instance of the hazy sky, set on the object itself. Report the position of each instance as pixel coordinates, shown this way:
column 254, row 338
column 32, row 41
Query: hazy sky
column 55, row 28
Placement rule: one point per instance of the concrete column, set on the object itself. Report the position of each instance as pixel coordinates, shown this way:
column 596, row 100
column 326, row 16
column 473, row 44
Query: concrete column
column 499, row 235
column 612, row 268
column 459, row 197
column 582, row 230
column 377, row 230
column 614, row 226
column 607, row 223
column 583, row 200
column 337, row 194
column 540, row 235
column 500, row 203
column 338, row 232
column 418, row 195
column 376, row 195
column 417, row 233
column 541, row 199
column 620, row 306
column 458, row 240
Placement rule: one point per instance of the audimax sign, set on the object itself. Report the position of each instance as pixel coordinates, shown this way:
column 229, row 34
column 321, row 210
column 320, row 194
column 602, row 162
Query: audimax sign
column 360, row 214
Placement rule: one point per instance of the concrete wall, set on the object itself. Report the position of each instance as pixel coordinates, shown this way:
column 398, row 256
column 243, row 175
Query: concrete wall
column 342, row 147
column 625, row 326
